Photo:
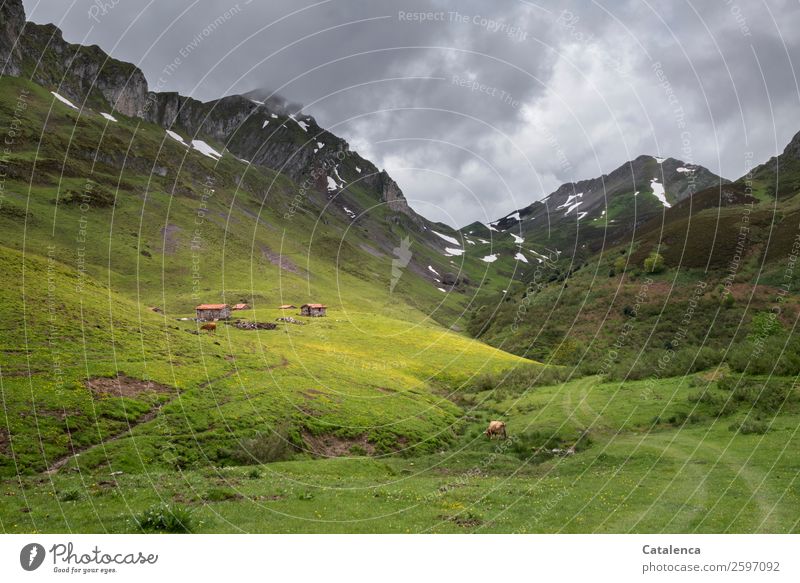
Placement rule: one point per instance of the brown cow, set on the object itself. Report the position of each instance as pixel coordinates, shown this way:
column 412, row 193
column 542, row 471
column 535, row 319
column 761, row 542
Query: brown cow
column 210, row 326
column 496, row 428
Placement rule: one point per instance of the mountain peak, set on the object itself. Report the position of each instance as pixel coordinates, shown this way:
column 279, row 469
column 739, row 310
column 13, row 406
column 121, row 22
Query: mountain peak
column 792, row 149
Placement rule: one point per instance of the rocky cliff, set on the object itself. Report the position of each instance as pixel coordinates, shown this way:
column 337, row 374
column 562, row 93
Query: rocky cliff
column 261, row 131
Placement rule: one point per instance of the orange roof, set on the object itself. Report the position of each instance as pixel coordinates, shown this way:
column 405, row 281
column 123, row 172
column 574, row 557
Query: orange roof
column 315, row 305
column 241, row 307
column 211, row 306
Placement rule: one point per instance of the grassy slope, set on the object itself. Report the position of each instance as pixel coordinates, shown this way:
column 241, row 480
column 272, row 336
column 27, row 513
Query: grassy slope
column 377, row 368
column 700, row 477
column 371, row 367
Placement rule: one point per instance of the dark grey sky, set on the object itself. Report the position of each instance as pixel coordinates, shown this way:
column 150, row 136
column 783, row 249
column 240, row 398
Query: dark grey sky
column 488, row 105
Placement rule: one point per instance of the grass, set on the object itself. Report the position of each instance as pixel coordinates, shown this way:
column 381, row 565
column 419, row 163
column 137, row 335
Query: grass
column 630, row 476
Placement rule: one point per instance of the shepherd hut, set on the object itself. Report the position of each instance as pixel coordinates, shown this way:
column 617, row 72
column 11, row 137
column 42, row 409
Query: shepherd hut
column 313, row 310
column 211, row 312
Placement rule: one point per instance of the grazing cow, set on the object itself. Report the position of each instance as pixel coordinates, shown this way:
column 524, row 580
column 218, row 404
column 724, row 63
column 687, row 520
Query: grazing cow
column 210, row 326
column 496, row 428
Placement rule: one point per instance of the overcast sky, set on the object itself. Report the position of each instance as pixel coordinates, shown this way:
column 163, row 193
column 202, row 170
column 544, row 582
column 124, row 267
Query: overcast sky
column 486, row 106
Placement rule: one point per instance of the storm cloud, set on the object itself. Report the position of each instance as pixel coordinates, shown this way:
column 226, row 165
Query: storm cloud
column 479, row 108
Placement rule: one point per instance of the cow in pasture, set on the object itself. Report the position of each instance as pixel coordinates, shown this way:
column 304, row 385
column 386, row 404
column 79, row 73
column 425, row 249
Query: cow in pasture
column 496, row 428
column 209, row 326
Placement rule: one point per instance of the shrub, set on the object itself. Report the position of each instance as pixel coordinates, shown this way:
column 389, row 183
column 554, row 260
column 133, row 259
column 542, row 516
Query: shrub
column 767, row 396
column 263, row 448
column 654, row 263
column 538, row 446
column 221, row 495
column 172, row 518
column 520, row 379
column 70, row 496
column 750, row 427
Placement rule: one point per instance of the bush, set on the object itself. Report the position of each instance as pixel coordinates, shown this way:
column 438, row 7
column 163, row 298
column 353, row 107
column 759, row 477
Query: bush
column 221, row 495
column 727, row 300
column 172, row 518
column 654, row 263
column 263, row 448
column 519, row 380
column 750, row 427
column 767, row 396
column 70, row 496
column 538, row 446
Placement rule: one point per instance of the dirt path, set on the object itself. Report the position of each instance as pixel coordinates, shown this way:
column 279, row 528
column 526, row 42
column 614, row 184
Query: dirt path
column 147, row 417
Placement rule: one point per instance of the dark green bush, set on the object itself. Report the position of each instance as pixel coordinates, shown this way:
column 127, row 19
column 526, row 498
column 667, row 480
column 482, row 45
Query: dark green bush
column 172, row 518
column 221, row 495
column 263, row 448
column 750, row 427
column 70, row 496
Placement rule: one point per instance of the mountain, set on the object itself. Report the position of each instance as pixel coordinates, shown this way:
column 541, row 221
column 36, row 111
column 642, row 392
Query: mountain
column 725, row 257
column 326, row 179
column 607, row 207
column 778, row 177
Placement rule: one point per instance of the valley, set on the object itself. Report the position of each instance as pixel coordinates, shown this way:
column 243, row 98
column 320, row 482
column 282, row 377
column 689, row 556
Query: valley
column 636, row 332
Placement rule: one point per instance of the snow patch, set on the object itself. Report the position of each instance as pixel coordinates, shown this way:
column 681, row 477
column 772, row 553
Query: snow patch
column 517, row 239
column 358, row 169
column 176, row 137
column 684, row 170
column 658, row 191
column 339, row 178
column 521, row 257
column 301, row 123
column 453, row 252
column 432, row 270
column 569, row 200
column 108, row 116
column 332, row 185
column 659, row 160
column 572, row 207
column 273, row 116
column 447, row 238
column 490, row 258
column 350, row 213
column 64, row 100
column 265, row 124
column 205, row 149
column 444, row 291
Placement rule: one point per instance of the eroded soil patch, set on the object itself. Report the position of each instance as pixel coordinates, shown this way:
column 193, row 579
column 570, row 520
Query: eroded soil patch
column 124, row 386
column 329, row 445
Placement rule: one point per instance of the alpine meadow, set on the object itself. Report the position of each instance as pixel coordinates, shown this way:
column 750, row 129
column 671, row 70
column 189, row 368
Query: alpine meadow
column 217, row 316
